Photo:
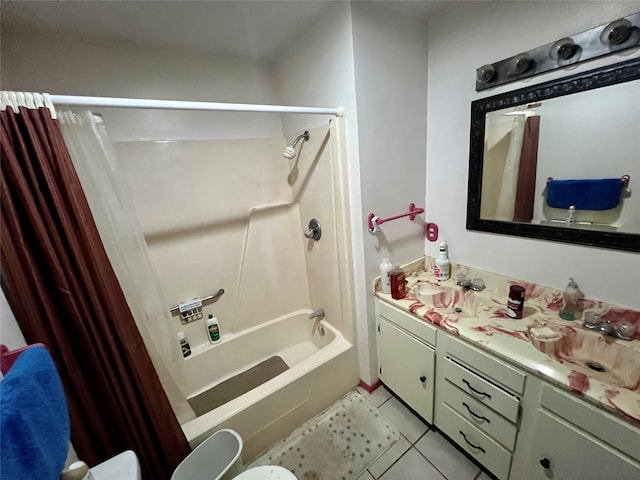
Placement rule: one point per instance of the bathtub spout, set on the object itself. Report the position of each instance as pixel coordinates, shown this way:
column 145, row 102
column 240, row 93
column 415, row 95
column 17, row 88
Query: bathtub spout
column 317, row 314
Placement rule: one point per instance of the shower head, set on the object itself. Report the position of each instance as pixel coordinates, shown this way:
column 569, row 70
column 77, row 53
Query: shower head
column 290, row 150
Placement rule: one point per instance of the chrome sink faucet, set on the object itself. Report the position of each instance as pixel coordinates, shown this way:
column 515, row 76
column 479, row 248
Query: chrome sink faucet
column 623, row 330
column 607, row 328
column 477, row 285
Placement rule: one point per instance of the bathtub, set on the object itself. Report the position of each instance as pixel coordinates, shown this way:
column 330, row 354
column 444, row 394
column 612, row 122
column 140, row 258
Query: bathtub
column 322, row 367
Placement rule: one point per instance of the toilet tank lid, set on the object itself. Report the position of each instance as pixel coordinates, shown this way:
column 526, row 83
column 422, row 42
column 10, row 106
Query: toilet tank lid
column 124, row 466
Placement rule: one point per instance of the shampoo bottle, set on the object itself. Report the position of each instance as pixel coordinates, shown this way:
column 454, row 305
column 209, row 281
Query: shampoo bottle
column 442, row 269
column 385, row 281
column 571, row 301
column 184, row 344
column 213, row 329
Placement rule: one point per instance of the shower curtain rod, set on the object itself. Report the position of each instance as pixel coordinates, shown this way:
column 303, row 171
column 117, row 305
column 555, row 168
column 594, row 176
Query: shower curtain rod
column 188, row 105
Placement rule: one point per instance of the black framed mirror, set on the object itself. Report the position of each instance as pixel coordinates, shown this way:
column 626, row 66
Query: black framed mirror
column 558, row 161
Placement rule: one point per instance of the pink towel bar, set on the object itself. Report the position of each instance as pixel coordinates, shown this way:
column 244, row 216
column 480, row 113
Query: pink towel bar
column 375, row 222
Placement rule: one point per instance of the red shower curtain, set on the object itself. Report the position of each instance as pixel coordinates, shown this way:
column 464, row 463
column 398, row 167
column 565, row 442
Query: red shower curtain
column 63, row 292
column 526, row 186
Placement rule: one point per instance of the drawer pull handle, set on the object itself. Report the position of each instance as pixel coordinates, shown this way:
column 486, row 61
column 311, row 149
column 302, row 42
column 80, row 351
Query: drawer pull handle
column 423, row 379
column 471, row 444
column 479, row 417
column 477, row 392
column 545, row 462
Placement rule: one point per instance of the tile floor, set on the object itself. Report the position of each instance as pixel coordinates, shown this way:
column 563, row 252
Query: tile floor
column 421, row 453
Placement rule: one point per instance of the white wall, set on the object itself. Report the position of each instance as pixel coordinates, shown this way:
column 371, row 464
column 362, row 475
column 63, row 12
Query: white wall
column 10, row 333
column 390, row 54
column 461, row 39
column 71, row 66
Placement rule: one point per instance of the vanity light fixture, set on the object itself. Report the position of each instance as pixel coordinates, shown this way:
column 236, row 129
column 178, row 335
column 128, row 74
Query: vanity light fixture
column 605, row 39
column 485, row 73
column 563, row 49
column 520, row 63
column 616, row 32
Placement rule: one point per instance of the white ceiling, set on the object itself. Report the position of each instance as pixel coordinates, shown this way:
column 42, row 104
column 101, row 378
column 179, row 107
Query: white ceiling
column 255, row 30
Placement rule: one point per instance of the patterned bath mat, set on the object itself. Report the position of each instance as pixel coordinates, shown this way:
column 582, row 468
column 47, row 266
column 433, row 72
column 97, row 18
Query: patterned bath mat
column 338, row 444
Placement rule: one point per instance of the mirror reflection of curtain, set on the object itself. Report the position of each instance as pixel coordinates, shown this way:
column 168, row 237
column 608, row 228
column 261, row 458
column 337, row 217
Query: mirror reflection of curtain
column 525, row 190
column 509, row 185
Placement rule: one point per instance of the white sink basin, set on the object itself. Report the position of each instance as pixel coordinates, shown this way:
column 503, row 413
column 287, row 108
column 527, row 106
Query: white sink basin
column 448, row 298
column 603, row 358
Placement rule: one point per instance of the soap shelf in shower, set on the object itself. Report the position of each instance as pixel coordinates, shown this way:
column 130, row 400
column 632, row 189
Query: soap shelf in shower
column 191, row 310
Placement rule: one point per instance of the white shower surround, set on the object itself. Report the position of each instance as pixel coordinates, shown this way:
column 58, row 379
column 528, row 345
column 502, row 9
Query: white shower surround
column 244, row 233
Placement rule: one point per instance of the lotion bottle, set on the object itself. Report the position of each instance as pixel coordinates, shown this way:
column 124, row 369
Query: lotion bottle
column 385, row 280
column 213, row 329
column 442, row 269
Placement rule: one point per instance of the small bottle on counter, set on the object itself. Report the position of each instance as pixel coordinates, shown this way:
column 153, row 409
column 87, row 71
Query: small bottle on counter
column 213, row 329
column 571, row 301
column 442, row 269
column 397, row 281
column 184, row 344
column 515, row 304
column 385, row 268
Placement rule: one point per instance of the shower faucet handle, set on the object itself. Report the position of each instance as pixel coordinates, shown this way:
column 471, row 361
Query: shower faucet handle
column 314, row 232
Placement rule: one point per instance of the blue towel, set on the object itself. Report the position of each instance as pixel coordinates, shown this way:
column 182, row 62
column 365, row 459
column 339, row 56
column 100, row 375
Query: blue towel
column 588, row 194
column 34, row 419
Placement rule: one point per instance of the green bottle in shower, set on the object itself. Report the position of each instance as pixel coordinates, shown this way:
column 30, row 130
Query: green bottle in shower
column 213, row 329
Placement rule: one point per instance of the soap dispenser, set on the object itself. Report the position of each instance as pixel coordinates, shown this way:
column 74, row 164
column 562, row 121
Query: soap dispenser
column 571, row 301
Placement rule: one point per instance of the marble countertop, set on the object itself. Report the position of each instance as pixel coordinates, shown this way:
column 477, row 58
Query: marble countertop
column 481, row 319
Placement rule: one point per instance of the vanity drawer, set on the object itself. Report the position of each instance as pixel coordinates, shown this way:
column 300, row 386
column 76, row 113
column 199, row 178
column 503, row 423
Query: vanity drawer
column 491, row 395
column 420, row 328
column 476, row 359
column 479, row 415
column 486, row 451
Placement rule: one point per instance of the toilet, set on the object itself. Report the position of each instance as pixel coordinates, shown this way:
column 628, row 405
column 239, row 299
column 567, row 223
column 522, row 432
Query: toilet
column 121, row 467
column 33, row 446
column 219, row 458
column 270, row 472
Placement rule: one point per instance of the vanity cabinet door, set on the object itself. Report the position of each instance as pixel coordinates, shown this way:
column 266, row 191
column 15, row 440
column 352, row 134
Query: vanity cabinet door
column 406, row 366
column 562, row 451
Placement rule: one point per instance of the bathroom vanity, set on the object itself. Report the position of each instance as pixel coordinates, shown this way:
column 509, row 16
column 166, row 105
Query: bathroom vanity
column 524, row 407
